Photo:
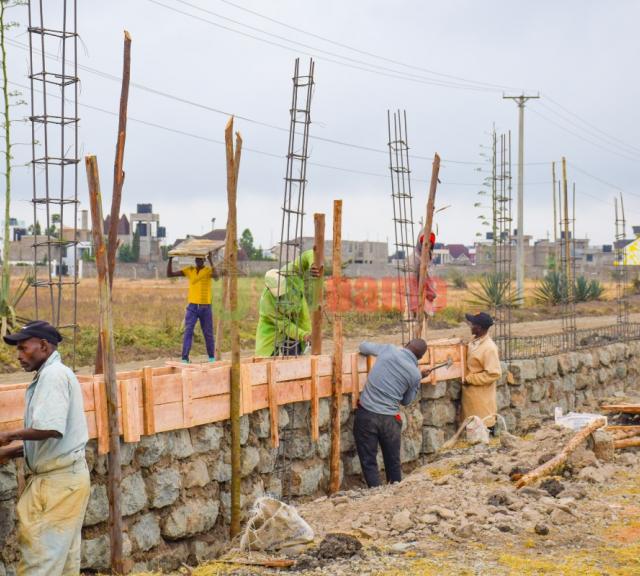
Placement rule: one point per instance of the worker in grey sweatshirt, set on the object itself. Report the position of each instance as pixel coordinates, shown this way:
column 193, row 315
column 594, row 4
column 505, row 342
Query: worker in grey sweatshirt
column 393, row 380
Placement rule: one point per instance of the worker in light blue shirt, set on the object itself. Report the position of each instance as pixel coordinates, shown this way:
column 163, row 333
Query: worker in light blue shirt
column 51, row 509
column 393, row 380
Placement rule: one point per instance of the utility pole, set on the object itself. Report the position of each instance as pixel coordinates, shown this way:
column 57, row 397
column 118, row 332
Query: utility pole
column 521, row 101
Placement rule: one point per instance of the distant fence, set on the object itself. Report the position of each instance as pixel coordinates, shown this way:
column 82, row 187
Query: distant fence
column 523, row 347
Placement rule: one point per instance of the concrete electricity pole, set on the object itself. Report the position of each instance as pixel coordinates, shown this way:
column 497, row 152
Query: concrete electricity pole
column 520, row 100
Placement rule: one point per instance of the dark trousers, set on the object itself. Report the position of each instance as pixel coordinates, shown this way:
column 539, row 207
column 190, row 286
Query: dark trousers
column 194, row 313
column 371, row 430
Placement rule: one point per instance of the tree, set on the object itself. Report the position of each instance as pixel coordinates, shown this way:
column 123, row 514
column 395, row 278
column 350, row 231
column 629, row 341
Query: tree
column 246, row 243
column 125, row 253
column 35, row 230
column 135, row 246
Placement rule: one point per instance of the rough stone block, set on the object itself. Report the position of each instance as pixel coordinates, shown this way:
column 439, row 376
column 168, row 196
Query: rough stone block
column 98, row 506
column 127, row 452
column 351, row 465
column 604, row 354
column 260, row 423
column 431, row 391
column 8, row 481
column 94, row 553
column 518, row 396
column 345, row 410
column 172, row 558
column 584, row 380
column 221, row 468
column 567, row 363
column 306, row 477
column 323, row 446
column 300, row 445
column 569, row 383
column 180, row 446
column 550, row 365
column 194, row 516
column 196, row 474
column 267, row 461
column 150, row 449
column 164, row 487
column 206, row 438
column 283, row 417
column 145, row 533
column 621, row 370
column 528, row 370
column 540, row 367
column 347, row 441
column 537, row 390
column 134, row 494
column 324, row 412
column 438, row 412
column 454, row 389
column 503, row 397
column 244, row 429
column 300, row 415
column 250, row 491
column 7, row 520
column 410, row 447
column 250, row 459
column 513, row 375
column 274, row 487
column 432, row 439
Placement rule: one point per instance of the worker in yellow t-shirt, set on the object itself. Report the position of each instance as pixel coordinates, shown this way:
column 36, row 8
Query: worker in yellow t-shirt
column 198, row 304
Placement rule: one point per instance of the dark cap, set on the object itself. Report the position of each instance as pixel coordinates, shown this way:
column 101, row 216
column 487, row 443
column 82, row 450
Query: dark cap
column 483, row 320
column 36, row 329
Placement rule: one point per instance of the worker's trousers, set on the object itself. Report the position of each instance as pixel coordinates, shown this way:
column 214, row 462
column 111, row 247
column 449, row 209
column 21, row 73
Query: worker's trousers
column 50, row 515
column 195, row 312
column 371, row 430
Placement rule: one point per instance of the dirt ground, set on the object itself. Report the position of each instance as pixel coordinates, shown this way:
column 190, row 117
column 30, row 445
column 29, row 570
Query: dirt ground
column 460, row 514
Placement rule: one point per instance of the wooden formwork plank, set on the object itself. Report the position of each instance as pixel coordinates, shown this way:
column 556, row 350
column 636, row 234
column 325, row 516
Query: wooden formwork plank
column 102, row 417
column 355, row 381
column 315, row 403
column 273, row 404
column 186, row 398
column 148, row 400
column 167, row 388
column 12, row 405
column 130, row 415
column 623, row 408
column 210, row 409
column 246, row 394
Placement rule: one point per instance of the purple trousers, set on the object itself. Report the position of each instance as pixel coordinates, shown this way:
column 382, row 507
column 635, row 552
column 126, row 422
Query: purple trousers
column 194, row 313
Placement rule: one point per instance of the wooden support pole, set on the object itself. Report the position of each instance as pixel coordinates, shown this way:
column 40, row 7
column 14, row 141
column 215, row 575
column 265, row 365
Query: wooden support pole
column 626, row 443
column 355, row 381
column 318, row 260
column 118, row 176
column 336, row 391
column 233, row 165
column 148, row 401
column 423, row 277
column 108, row 361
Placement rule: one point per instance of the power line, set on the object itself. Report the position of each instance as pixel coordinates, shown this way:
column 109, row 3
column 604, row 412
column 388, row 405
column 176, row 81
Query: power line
column 582, row 137
column 347, row 46
column 380, row 70
column 549, row 99
column 628, row 150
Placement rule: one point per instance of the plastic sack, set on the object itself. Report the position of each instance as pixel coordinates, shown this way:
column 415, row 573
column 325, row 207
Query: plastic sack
column 476, row 432
column 275, row 526
column 575, row 420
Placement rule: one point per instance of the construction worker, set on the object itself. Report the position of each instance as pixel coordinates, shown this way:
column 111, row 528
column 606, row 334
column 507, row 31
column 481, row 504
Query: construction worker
column 51, row 509
column 198, row 304
column 393, row 380
column 284, row 326
column 429, row 289
column 483, row 371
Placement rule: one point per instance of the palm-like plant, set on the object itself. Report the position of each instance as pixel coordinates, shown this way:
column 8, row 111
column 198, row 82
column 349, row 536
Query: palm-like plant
column 552, row 289
column 494, row 290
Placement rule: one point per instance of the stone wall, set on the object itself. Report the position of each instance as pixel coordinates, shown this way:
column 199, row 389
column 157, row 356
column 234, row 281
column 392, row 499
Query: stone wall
column 176, row 484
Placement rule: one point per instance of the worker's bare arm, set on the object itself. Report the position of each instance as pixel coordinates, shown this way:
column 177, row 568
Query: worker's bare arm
column 27, row 434
column 170, row 271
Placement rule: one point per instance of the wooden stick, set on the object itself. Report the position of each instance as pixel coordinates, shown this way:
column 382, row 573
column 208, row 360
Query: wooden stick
column 274, row 420
column 315, row 405
column 336, row 392
column 423, row 277
column 626, row 443
column 560, row 458
column 623, row 408
column 233, row 165
column 118, row 175
column 316, row 305
column 622, row 434
column 355, row 381
column 108, row 361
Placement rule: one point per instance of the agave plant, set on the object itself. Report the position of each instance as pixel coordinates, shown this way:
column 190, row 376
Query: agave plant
column 586, row 290
column 9, row 301
column 552, row 289
column 494, row 290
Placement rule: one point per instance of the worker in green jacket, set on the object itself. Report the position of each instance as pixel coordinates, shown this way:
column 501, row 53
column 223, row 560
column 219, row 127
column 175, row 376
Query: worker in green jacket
column 284, row 327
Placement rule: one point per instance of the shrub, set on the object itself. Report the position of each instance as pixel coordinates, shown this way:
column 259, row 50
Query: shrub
column 494, row 290
column 458, row 280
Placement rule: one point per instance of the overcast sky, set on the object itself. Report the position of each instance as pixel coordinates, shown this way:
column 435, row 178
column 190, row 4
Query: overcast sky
column 580, row 55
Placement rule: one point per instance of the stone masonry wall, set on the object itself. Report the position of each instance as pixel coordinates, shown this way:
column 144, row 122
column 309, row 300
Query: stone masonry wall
column 176, row 484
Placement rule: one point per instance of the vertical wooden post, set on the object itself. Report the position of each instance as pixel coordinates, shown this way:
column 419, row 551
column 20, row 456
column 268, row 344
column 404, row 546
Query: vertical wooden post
column 233, row 165
column 336, row 392
column 555, row 222
column 148, row 401
column 315, row 405
column 274, row 420
column 118, row 176
column 318, row 260
column 355, row 381
column 423, row 276
column 108, row 361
